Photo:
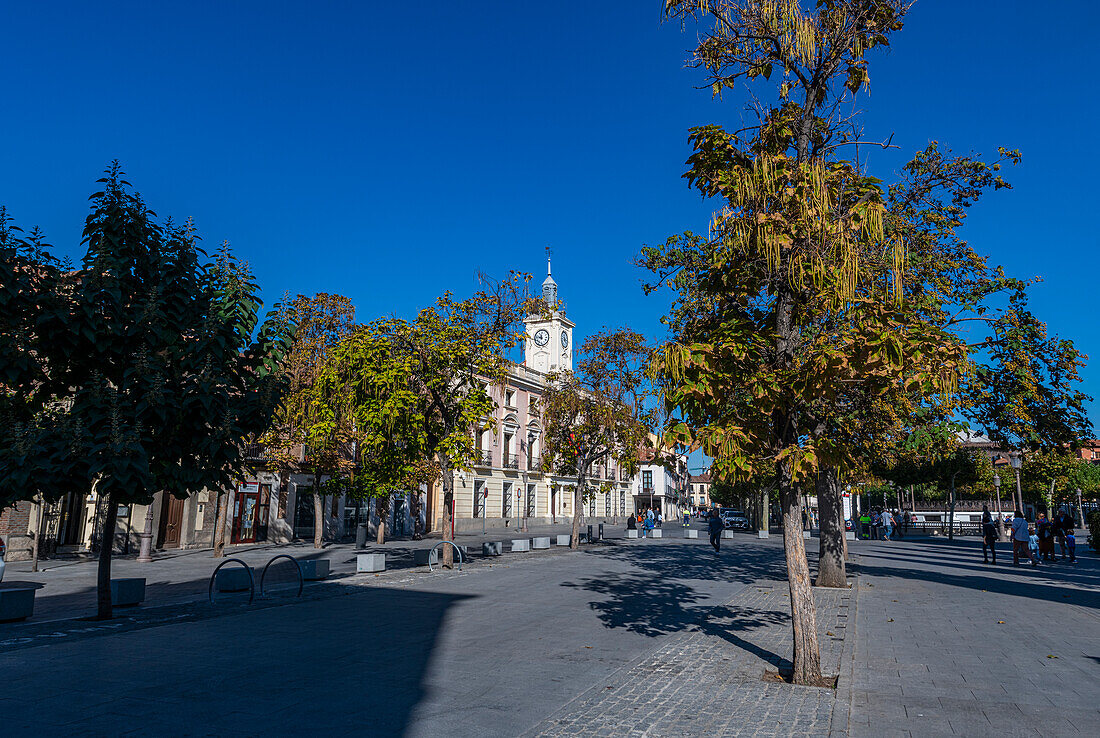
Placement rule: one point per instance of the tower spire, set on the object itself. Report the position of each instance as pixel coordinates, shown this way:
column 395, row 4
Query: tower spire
column 547, row 260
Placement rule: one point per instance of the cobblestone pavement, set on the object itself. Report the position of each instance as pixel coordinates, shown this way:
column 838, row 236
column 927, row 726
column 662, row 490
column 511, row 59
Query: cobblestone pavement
column 948, row 645
column 708, row 682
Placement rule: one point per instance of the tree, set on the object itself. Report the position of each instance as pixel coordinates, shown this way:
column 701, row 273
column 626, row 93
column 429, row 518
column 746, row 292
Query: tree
column 598, row 412
column 303, row 420
column 801, row 237
column 174, row 368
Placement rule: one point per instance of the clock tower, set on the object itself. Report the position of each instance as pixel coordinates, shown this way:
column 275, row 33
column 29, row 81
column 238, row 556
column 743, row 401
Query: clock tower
column 549, row 344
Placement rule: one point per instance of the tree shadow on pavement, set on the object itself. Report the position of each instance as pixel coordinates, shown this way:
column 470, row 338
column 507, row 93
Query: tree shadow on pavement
column 727, row 621
column 685, row 562
column 644, row 605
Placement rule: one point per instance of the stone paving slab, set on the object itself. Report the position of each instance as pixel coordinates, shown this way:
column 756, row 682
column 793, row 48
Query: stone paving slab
column 708, row 682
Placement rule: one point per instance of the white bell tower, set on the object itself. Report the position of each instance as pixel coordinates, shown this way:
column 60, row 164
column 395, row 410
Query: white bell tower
column 549, row 344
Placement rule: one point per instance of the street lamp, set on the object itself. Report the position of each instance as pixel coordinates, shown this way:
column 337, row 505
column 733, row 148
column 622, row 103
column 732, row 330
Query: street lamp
column 1017, row 460
column 1000, row 517
column 1080, row 508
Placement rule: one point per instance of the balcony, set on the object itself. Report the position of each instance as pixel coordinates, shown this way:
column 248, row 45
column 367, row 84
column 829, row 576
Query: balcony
column 484, row 459
column 623, row 476
column 255, row 452
column 534, row 463
column 511, row 461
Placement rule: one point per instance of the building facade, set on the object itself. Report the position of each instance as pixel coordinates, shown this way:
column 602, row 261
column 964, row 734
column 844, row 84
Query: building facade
column 699, row 492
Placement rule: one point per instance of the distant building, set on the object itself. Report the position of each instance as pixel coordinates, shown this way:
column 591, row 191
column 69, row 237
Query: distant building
column 699, row 492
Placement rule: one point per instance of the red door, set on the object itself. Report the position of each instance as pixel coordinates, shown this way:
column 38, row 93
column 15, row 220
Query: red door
column 245, row 513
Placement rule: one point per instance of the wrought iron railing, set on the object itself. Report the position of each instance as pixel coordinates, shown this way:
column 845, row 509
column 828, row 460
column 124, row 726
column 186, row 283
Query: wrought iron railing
column 511, row 461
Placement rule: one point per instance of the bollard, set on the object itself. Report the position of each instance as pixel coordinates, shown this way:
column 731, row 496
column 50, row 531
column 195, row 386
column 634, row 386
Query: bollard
column 590, row 534
column 361, row 536
column 601, row 531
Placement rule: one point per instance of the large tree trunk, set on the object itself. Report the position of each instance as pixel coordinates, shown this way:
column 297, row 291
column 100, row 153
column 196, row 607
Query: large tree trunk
column 807, row 653
column 40, row 504
column 831, row 570
column 414, row 507
column 951, row 512
column 104, row 611
column 448, row 513
column 219, row 524
column 578, row 507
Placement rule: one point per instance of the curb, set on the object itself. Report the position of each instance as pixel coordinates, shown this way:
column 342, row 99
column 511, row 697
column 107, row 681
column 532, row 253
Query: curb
column 840, row 721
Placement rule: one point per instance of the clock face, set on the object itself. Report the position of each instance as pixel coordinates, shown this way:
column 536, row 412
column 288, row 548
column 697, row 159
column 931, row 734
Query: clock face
column 541, row 337
column 564, row 339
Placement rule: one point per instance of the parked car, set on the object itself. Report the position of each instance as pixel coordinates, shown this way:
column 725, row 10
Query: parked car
column 735, row 520
column 3, row 550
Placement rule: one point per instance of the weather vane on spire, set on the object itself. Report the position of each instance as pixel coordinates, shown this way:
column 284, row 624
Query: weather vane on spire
column 548, row 259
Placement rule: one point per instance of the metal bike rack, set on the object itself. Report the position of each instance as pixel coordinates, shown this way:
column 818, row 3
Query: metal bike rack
column 251, row 579
column 455, row 547
column 297, row 566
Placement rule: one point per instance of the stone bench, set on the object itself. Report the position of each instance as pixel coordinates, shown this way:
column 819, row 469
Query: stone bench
column 421, row 556
column 631, row 532
column 655, row 533
column 233, row 578
column 492, row 548
column 16, row 603
column 540, row 542
column 521, row 544
column 128, row 591
column 365, row 563
column 691, row 533
column 562, row 540
column 314, row 569
column 727, row 533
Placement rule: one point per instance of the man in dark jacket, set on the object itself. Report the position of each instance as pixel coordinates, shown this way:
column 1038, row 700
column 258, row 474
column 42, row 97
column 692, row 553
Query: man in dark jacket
column 715, row 527
column 1063, row 525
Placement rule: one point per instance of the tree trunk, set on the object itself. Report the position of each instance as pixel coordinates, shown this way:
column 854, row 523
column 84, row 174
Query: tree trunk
column 37, row 534
column 414, row 508
column 318, row 512
column 831, row 570
column 448, row 513
column 104, row 611
column 219, row 524
column 807, row 653
column 382, row 508
column 951, row 513
column 578, row 505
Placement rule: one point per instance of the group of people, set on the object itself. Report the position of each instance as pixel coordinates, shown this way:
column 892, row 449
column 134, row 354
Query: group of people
column 1032, row 542
column 645, row 520
column 880, row 524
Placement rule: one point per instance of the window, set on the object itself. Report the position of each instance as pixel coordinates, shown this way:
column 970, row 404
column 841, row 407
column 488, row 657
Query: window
column 607, row 504
column 647, row 480
column 506, row 500
column 530, row 500
column 479, row 498
column 510, row 398
column 622, row 503
column 592, row 506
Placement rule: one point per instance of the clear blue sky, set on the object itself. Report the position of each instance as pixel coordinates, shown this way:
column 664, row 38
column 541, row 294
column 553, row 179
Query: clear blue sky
column 387, row 151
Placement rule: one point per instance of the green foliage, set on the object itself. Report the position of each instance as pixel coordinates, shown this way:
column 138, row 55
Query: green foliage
column 1094, row 530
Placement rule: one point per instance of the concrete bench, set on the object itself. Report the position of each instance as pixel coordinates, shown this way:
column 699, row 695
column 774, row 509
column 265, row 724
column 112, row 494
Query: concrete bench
column 540, row 542
column 691, row 533
column 16, row 603
column 370, row 562
column 232, row 579
column 314, row 569
column 521, row 544
column 562, row 540
column 655, row 533
column 128, row 591
column 631, row 532
column 727, row 533
column 492, row 548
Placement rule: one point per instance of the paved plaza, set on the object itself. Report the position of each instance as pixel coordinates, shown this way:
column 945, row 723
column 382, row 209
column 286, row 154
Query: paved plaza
column 654, row 638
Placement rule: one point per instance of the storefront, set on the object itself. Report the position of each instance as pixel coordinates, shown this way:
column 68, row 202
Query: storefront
column 250, row 513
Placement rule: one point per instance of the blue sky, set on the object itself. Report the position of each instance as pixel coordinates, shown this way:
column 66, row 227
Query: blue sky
column 389, row 151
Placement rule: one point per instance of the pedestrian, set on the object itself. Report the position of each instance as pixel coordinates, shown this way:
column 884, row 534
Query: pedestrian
column 660, row 519
column 1019, row 537
column 648, row 525
column 715, row 527
column 905, row 520
column 865, row 526
column 876, row 525
column 1071, row 546
column 888, row 524
column 1033, row 545
column 1063, row 525
column 1045, row 531
column 989, row 536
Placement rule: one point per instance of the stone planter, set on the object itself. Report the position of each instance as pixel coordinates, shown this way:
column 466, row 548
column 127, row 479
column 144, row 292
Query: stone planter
column 691, row 533
column 727, row 533
column 314, row 569
column 540, row 542
column 805, row 534
column 16, row 604
column 492, row 548
column 129, row 591
column 365, row 563
column 631, row 532
column 562, row 540
column 232, row 579
column 521, row 544
column 656, row 533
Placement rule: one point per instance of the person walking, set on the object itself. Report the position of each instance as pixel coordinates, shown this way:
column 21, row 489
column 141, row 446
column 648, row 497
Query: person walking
column 989, row 536
column 888, row 524
column 1063, row 526
column 660, row 519
column 1033, row 545
column 1071, row 546
column 1045, row 531
column 1019, row 537
column 715, row 527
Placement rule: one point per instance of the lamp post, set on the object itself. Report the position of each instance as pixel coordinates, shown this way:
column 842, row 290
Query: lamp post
column 145, row 553
column 1017, row 460
column 1000, row 517
column 1080, row 508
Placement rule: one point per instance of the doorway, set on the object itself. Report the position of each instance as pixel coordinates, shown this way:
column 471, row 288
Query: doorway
column 250, row 513
column 171, row 521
